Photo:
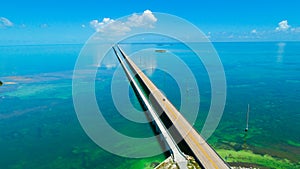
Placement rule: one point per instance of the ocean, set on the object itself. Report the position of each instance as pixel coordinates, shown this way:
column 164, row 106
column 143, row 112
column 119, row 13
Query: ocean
column 39, row 126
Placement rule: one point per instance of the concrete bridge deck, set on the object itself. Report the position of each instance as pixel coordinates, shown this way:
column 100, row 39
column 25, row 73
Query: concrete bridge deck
column 181, row 132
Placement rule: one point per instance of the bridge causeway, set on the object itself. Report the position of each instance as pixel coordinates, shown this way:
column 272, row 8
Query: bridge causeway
column 182, row 139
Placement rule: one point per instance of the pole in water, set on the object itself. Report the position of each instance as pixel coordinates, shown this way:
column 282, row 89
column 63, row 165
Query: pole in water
column 247, row 127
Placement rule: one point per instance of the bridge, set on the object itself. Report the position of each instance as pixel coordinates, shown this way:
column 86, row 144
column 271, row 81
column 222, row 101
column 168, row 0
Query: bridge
column 188, row 149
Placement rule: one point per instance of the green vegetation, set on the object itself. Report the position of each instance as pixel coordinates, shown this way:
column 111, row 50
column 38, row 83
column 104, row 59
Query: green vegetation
column 147, row 163
column 248, row 157
column 293, row 143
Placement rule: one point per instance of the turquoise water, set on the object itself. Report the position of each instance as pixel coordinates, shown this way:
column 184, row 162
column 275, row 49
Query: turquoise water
column 39, row 127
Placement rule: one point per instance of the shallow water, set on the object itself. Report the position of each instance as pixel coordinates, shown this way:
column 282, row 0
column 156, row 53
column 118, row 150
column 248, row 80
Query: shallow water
column 39, row 127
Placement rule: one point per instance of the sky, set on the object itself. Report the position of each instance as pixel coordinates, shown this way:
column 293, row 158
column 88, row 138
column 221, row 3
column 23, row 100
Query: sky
column 64, row 21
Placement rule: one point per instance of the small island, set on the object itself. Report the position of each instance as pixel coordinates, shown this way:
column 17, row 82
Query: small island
column 160, row 51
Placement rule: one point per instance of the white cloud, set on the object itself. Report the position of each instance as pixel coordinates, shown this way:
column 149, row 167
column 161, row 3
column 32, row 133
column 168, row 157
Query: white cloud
column 283, row 26
column 107, row 25
column 4, row 22
column 147, row 19
column 110, row 26
column 254, row 31
column 296, row 30
column 99, row 26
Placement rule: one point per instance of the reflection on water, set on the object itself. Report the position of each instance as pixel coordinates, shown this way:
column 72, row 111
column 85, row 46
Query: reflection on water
column 280, row 52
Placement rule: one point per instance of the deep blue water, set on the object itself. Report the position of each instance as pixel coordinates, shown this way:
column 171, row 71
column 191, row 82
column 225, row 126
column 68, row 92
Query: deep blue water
column 39, row 128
